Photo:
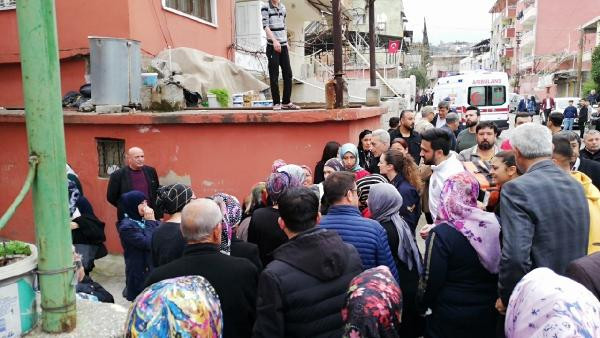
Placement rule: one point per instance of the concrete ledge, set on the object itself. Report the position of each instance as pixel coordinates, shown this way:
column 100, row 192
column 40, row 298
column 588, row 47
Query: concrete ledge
column 210, row 116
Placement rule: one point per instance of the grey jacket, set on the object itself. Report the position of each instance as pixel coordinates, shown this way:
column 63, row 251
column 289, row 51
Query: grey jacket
column 545, row 223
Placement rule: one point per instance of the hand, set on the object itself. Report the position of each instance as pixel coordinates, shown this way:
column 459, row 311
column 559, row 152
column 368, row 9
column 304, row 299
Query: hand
column 480, row 205
column 500, row 307
column 148, row 213
column 277, row 46
column 424, row 232
column 74, row 225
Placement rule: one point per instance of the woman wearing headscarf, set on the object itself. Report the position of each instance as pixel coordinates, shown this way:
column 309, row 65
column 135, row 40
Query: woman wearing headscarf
column 365, row 156
column 385, row 203
column 135, row 231
column 167, row 241
column 179, row 307
column 544, row 304
column 264, row 229
column 349, row 157
column 329, row 151
column 462, row 256
column 256, row 200
column 362, row 186
column 403, row 173
column 373, row 305
column 230, row 244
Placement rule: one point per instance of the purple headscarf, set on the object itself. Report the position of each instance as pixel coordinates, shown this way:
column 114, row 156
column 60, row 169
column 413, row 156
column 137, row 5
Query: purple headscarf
column 335, row 164
column 458, row 208
column 232, row 215
column 287, row 176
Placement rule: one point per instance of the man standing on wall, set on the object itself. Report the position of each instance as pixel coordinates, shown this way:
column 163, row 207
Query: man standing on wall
column 273, row 20
column 135, row 176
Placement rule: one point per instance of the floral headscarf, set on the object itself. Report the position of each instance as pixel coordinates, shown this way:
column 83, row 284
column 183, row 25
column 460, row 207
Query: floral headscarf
column 74, row 195
column 385, row 202
column 350, row 148
column 373, row 305
column 287, row 176
column 458, row 208
column 179, row 307
column 232, row 215
column 335, row 164
column 544, row 304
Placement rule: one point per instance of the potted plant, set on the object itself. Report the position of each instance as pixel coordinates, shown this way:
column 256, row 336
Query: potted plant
column 222, row 96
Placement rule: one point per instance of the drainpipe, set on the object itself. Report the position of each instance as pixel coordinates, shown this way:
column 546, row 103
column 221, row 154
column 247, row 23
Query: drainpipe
column 45, row 134
column 372, row 62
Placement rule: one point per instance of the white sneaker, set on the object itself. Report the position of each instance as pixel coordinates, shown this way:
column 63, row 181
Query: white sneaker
column 277, row 106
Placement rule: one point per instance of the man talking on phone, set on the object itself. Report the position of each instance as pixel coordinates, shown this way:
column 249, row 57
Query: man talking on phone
column 273, row 20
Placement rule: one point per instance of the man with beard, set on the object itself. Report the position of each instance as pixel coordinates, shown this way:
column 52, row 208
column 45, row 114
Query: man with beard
column 466, row 138
column 406, row 131
column 435, row 150
column 485, row 149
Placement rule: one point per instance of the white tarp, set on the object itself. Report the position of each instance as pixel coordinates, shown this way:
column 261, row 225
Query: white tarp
column 199, row 72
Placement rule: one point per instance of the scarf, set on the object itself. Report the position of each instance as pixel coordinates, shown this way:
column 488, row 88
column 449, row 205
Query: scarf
column 373, row 306
column 363, row 186
column 544, row 304
column 350, row 148
column 385, row 202
column 232, row 215
column 179, row 307
column 458, row 208
column 289, row 175
column 335, row 164
column 74, row 195
column 172, row 198
column 129, row 202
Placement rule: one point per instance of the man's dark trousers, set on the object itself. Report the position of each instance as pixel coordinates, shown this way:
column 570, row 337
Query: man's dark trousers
column 275, row 61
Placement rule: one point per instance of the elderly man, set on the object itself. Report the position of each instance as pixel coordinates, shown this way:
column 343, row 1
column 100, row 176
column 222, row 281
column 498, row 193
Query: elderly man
column 544, row 213
column 424, row 123
column 235, row 279
column 380, row 143
column 406, row 131
column 135, row 176
column 486, row 133
column 440, row 119
column 467, row 137
column 591, row 140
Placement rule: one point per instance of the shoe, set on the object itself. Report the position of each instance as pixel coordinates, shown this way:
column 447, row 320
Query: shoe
column 290, row 106
column 277, row 106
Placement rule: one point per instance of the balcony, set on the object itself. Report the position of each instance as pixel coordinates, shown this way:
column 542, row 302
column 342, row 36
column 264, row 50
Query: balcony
column 508, row 33
column 529, row 14
column 508, row 52
column 527, row 40
column 510, row 12
column 525, row 63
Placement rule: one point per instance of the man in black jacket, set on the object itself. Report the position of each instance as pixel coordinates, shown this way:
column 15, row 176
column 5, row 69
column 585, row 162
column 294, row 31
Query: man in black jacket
column 592, row 145
column 406, row 131
column 234, row 279
column 301, row 292
column 588, row 167
column 135, row 176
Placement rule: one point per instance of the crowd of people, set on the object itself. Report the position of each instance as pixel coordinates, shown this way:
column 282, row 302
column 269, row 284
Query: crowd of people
column 511, row 235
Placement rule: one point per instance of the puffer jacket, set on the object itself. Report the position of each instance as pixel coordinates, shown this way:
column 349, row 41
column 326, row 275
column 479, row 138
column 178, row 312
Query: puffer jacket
column 592, row 194
column 366, row 235
column 301, row 292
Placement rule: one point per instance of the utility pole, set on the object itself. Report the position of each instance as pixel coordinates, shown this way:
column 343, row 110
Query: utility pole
column 579, row 63
column 372, row 61
column 338, row 68
column 45, row 135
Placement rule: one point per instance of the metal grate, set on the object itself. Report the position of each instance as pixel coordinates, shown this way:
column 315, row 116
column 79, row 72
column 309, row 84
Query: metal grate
column 111, row 155
column 8, row 4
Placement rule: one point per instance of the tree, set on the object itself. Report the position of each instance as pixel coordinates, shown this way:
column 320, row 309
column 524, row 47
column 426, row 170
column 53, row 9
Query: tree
column 596, row 66
column 421, row 76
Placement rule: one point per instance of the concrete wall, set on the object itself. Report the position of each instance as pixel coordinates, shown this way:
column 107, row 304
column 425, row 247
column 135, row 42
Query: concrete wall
column 226, row 152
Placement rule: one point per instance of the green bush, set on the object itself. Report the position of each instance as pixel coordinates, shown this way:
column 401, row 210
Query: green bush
column 596, row 66
column 588, row 86
column 222, row 96
column 420, row 75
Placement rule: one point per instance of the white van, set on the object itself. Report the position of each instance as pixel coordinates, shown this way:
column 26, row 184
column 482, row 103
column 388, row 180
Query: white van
column 486, row 90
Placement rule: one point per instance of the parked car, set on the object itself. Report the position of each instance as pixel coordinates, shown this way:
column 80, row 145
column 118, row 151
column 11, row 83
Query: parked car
column 563, row 102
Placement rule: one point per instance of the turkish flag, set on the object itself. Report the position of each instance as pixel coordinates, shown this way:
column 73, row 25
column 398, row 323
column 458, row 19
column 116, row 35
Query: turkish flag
column 393, row 46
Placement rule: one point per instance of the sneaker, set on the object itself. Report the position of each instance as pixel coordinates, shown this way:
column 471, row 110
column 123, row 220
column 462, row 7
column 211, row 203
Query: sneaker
column 277, row 106
column 290, row 106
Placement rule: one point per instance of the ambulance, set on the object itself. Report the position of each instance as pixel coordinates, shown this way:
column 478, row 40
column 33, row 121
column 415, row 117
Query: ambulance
column 483, row 89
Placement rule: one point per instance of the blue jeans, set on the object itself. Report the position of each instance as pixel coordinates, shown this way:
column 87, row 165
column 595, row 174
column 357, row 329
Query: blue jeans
column 569, row 123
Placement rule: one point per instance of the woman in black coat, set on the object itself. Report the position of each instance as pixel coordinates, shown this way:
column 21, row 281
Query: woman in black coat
column 461, row 265
column 330, row 151
column 384, row 202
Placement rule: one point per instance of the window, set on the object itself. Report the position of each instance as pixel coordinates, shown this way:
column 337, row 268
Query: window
column 487, row 96
column 111, row 155
column 8, row 4
column 205, row 10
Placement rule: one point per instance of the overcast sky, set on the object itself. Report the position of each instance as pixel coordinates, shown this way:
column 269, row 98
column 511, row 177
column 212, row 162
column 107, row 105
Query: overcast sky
column 449, row 20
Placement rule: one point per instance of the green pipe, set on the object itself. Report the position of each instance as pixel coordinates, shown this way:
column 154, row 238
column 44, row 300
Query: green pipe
column 33, row 161
column 45, row 134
